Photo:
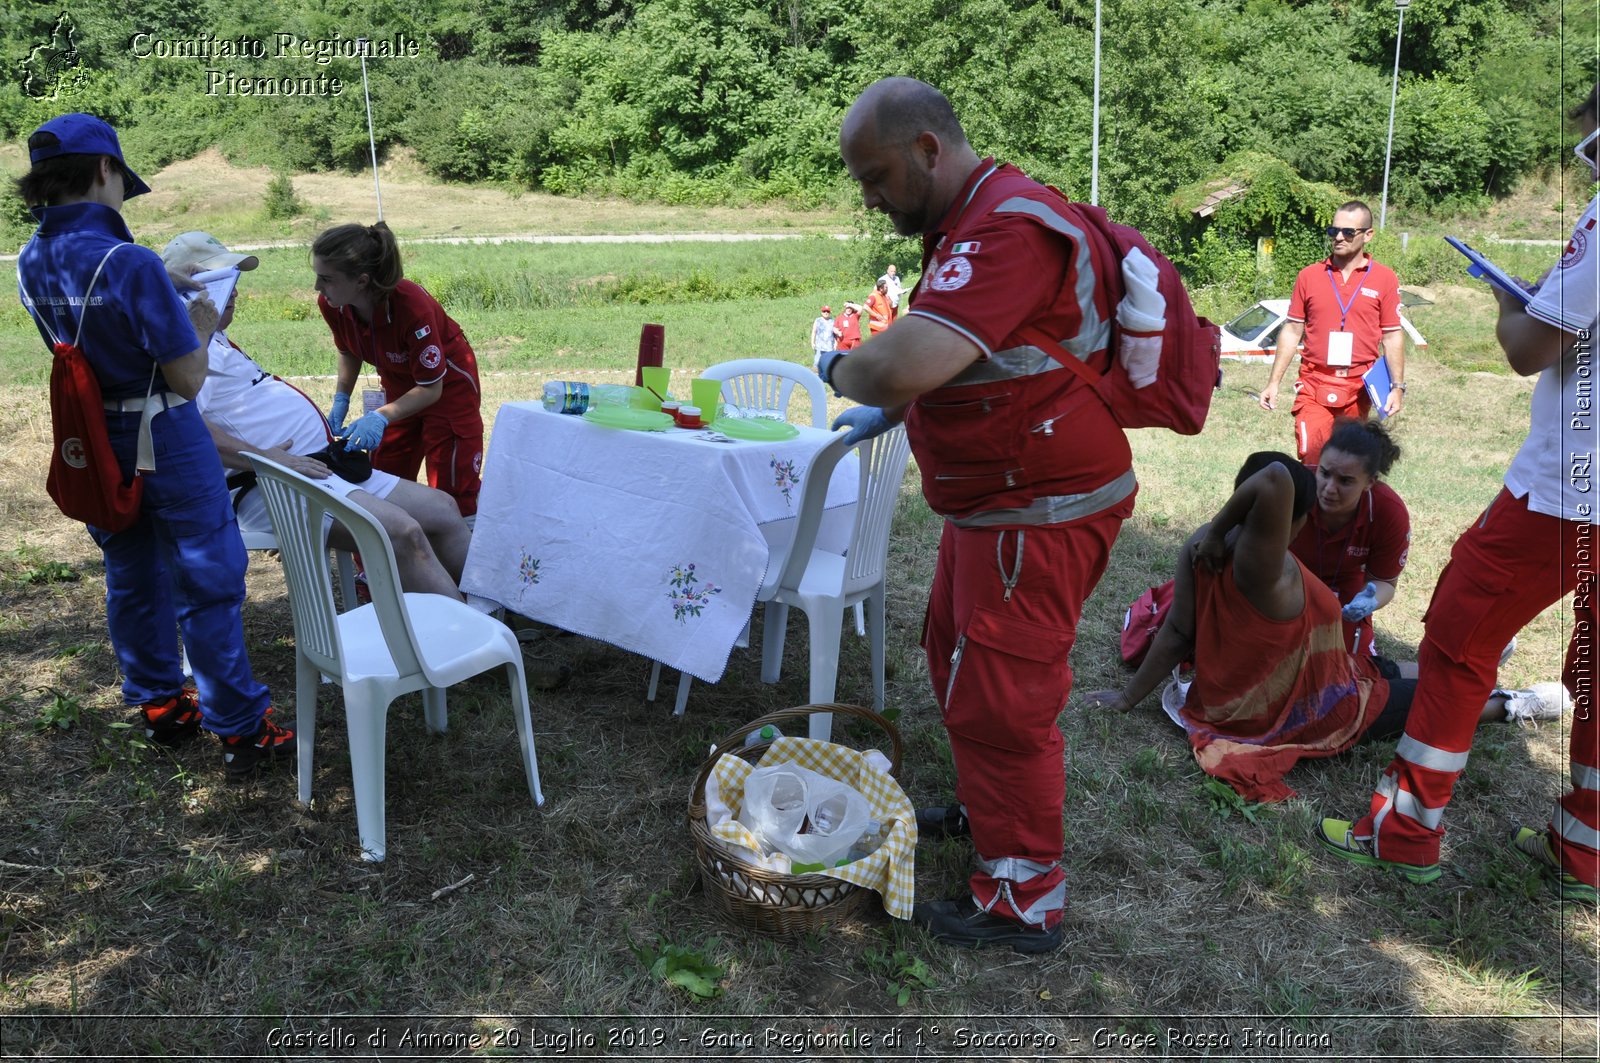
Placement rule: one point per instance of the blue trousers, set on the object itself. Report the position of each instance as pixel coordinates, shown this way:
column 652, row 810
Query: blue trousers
column 180, row 567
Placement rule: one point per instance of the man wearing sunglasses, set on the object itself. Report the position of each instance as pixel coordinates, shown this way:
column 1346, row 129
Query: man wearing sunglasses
column 1346, row 308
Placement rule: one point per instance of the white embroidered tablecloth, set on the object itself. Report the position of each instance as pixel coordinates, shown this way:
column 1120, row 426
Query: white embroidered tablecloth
column 651, row 541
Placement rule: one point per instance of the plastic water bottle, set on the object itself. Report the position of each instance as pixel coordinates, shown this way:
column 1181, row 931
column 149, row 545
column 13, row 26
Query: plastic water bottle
column 570, row 396
column 762, row 736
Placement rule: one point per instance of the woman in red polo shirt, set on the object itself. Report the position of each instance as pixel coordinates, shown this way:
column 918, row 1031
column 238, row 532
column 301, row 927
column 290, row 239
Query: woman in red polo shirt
column 1360, row 530
column 428, row 371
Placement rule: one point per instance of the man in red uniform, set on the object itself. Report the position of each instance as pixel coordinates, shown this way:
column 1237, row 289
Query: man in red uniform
column 1347, row 309
column 1025, row 462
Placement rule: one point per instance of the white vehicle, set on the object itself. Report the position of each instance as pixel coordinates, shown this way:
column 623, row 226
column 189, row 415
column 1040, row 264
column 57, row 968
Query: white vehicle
column 1253, row 335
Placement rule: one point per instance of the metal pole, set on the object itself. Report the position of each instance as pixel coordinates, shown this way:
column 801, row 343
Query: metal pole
column 372, row 141
column 1394, row 91
column 1094, row 151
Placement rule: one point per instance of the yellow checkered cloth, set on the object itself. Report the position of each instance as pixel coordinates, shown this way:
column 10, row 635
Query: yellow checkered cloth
column 891, row 871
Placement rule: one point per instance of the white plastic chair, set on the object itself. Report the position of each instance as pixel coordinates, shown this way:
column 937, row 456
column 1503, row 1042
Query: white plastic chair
column 825, row 584
column 767, row 383
column 399, row 643
column 265, row 540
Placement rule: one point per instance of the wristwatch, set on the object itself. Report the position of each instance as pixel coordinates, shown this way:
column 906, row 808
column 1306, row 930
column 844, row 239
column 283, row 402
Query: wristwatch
column 1398, row 387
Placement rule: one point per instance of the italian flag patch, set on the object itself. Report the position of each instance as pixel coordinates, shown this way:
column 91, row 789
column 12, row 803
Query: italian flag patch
column 965, row 249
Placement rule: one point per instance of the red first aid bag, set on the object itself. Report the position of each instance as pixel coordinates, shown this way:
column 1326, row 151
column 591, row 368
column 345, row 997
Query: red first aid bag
column 1185, row 353
column 85, row 480
column 1142, row 620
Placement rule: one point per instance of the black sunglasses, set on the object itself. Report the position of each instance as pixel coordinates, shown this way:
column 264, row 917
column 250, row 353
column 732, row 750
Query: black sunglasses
column 1335, row 231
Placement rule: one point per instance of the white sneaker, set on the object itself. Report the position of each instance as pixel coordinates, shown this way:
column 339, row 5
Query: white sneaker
column 1545, row 701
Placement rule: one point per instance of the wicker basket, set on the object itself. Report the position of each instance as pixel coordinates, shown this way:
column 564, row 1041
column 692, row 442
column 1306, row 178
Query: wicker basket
column 754, row 897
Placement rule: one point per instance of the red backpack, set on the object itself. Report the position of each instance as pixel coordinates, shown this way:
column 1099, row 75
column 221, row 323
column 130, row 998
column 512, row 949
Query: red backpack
column 1190, row 346
column 85, row 480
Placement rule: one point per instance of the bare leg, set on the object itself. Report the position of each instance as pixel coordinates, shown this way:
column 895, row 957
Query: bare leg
column 420, row 570
column 436, row 513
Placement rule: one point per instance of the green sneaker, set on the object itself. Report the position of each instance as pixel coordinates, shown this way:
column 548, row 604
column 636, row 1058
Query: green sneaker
column 1535, row 845
column 1335, row 836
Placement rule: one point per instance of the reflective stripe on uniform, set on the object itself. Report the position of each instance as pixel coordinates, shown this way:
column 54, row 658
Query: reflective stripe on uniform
column 1431, row 757
column 1406, row 803
column 1014, row 868
column 1009, row 364
column 1576, row 830
column 1585, row 777
column 1054, row 509
column 1095, row 334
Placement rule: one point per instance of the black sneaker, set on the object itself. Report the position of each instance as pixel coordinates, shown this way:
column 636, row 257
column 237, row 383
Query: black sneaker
column 174, row 720
column 963, row 924
column 243, row 754
column 942, row 821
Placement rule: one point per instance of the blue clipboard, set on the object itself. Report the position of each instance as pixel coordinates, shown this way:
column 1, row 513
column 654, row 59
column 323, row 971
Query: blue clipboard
column 1379, row 384
column 1480, row 267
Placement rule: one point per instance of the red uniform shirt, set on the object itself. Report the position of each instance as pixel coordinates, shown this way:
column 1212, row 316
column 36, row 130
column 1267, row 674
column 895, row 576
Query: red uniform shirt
column 1373, row 546
column 411, row 341
column 997, row 277
column 1372, row 297
column 849, row 330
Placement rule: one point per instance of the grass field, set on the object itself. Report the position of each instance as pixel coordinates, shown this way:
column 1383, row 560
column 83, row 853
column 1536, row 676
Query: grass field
column 150, row 909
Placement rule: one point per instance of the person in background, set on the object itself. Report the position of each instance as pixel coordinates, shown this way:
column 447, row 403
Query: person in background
column 1533, row 545
column 824, row 335
column 880, row 312
column 1359, row 532
column 1347, row 309
column 250, row 411
column 1030, row 515
column 849, row 324
column 893, row 289
column 1274, row 680
column 428, row 371
column 180, row 566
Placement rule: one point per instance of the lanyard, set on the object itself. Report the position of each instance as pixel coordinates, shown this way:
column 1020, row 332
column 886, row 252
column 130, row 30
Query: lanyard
column 1344, row 307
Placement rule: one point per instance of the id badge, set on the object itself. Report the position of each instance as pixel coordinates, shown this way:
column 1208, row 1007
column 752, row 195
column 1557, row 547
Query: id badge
column 1341, row 348
column 371, row 398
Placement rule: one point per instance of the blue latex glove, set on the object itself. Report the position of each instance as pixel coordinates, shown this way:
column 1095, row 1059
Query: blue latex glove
column 864, row 422
column 366, row 432
column 339, row 409
column 1362, row 605
column 825, row 363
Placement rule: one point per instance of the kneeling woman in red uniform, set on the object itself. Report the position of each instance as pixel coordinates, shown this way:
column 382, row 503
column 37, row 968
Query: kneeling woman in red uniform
column 428, row 371
column 1359, row 531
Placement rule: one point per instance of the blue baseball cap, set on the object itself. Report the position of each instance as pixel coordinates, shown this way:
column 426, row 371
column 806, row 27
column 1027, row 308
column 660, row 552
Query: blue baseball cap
column 82, row 134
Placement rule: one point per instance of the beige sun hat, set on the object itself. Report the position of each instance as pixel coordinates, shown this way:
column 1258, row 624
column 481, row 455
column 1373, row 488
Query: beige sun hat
column 202, row 251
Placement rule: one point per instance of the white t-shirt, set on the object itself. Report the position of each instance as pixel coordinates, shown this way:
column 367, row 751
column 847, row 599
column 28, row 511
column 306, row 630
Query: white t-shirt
column 1555, row 468
column 251, row 404
column 247, row 402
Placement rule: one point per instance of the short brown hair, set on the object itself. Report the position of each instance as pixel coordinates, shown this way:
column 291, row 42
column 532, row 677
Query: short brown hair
column 63, row 177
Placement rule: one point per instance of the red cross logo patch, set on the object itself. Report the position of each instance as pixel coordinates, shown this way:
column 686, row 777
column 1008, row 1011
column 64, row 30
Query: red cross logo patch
column 952, row 275
column 430, row 357
column 73, row 454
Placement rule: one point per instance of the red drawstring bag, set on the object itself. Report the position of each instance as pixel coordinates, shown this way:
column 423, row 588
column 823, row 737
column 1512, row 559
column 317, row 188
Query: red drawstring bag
column 85, row 480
